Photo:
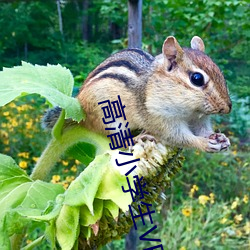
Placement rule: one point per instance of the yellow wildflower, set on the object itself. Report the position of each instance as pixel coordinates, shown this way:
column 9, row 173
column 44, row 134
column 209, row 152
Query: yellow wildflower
column 24, row 154
column 223, row 220
column 12, row 105
column 234, row 152
column 183, row 248
column 77, row 162
column 193, row 190
column 6, row 141
column 187, row 211
column 245, row 199
column 4, row 134
column 23, row 107
column 6, row 149
column 197, row 242
column 70, row 178
column 65, row 163
column 23, row 164
column 211, row 195
column 35, row 159
column 55, row 178
column 73, row 168
column 29, row 124
column 65, row 185
column 238, row 218
column 238, row 233
column 14, row 123
column 223, row 235
column 235, row 203
column 203, row 199
column 6, row 113
column 224, row 164
column 247, row 227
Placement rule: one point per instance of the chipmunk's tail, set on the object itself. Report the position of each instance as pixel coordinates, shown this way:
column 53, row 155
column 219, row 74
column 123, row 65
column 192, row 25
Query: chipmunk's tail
column 50, row 117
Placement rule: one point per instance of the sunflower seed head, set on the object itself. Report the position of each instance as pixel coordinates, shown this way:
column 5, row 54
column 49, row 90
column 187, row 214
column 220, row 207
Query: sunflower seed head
column 158, row 164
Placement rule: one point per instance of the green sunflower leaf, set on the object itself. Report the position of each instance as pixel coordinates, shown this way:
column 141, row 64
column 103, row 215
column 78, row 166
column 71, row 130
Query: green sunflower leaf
column 53, row 82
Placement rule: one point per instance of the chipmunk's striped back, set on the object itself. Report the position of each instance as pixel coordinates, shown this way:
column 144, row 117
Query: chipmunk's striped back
column 124, row 66
column 125, row 73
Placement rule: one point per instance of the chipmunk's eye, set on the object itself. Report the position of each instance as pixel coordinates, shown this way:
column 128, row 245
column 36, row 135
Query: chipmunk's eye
column 197, row 79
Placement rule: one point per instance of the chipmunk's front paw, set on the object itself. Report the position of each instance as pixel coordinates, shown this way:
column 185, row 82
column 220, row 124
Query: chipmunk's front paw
column 218, row 142
column 144, row 137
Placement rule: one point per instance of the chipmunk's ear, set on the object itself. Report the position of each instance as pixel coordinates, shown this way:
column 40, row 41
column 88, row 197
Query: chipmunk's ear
column 171, row 49
column 197, row 43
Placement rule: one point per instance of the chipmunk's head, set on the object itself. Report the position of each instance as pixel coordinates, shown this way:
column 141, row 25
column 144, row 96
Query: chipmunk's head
column 198, row 77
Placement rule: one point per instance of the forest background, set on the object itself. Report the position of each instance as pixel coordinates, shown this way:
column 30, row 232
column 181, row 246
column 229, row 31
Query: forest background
column 207, row 206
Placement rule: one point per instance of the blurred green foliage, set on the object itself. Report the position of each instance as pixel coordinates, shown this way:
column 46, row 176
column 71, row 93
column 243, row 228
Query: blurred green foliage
column 30, row 32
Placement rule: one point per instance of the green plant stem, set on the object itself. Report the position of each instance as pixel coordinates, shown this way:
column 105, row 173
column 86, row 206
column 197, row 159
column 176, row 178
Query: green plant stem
column 52, row 153
column 57, row 147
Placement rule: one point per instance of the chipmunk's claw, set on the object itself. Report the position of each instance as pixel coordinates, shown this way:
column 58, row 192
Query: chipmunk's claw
column 218, row 142
column 141, row 138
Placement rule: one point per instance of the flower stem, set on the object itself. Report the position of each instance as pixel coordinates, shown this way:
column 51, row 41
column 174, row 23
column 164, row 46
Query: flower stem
column 57, row 147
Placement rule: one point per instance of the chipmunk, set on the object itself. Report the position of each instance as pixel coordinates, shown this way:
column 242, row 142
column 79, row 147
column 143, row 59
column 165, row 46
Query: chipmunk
column 170, row 96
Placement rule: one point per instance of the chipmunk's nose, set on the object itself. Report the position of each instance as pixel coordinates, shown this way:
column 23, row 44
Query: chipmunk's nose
column 227, row 108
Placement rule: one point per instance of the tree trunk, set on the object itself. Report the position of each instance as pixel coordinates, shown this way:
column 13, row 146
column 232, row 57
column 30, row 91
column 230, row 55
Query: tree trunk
column 59, row 16
column 135, row 23
column 85, row 20
column 131, row 239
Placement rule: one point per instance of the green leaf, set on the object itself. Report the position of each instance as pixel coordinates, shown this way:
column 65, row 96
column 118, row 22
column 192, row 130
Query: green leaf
column 20, row 198
column 83, row 189
column 9, row 168
column 47, row 216
column 83, row 152
column 50, row 234
column 14, row 223
column 7, row 220
column 14, row 198
column 67, row 226
column 86, row 218
column 4, row 240
column 39, row 194
column 25, row 202
column 112, row 208
column 53, row 82
column 99, row 180
column 6, row 186
column 111, row 189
